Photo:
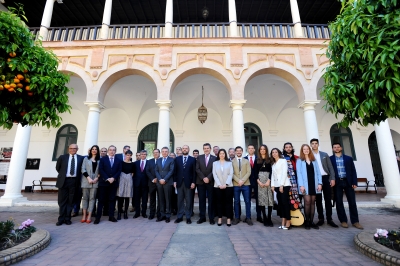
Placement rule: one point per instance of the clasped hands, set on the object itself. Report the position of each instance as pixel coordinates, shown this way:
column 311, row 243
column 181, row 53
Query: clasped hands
column 92, row 181
column 267, row 184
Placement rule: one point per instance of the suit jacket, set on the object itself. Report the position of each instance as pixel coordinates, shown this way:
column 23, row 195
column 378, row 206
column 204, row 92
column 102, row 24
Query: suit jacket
column 254, row 172
column 185, row 175
column 351, row 173
column 327, row 165
column 87, row 167
column 62, row 165
column 140, row 178
column 223, row 177
column 166, row 172
column 106, row 171
column 302, row 177
column 241, row 175
column 203, row 171
column 151, row 171
column 279, row 174
column 120, row 157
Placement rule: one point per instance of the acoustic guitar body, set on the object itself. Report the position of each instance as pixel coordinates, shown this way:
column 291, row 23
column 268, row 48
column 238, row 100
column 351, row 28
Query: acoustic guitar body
column 297, row 218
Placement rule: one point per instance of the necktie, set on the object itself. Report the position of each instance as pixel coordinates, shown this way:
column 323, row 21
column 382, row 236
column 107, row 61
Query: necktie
column 72, row 169
column 206, row 160
column 112, row 161
column 142, row 166
column 184, row 161
column 240, row 166
column 251, row 161
column 163, row 162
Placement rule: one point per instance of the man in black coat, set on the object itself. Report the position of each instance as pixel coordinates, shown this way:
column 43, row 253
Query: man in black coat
column 152, row 183
column 69, row 173
column 140, row 184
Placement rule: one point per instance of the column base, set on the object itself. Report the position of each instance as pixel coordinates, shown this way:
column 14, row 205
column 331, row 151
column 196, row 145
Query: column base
column 9, row 202
column 394, row 201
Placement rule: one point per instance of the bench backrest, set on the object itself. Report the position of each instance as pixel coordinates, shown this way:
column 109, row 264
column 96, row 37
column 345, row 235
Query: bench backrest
column 49, row 179
column 362, row 179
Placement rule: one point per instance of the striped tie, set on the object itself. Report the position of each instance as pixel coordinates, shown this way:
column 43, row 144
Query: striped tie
column 184, row 161
column 72, row 169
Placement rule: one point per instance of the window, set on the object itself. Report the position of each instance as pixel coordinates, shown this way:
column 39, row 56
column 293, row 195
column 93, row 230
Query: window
column 66, row 135
column 147, row 139
column 345, row 138
column 252, row 135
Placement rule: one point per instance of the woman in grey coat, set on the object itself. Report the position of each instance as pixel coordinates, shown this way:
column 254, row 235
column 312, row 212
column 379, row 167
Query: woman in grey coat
column 90, row 177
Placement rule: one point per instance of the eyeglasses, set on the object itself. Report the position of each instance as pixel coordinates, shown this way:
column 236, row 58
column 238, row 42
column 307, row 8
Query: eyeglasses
column 73, row 148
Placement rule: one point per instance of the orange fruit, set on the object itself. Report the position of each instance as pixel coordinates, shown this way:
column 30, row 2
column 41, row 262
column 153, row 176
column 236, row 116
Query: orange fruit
column 22, row 113
column 13, row 85
column 7, row 86
column 11, row 89
column 27, row 88
column 20, row 85
column 8, row 59
column 12, row 54
column 20, row 77
column 1, row 87
column 27, row 80
column 30, row 93
column 16, row 81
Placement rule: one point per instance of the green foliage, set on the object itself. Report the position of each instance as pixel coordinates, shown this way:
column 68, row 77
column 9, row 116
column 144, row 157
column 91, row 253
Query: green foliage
column 362, row 82
column 42, row 93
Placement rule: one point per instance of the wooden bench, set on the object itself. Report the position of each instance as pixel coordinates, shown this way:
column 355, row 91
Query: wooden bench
column 366, row 185
column 44, row 179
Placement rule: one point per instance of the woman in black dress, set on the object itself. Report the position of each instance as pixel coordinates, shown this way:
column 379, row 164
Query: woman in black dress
column 125, row 188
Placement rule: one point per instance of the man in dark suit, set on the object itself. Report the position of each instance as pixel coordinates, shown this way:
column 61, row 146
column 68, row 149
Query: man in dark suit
column 328, row 182
column 164, row 173
column 121, row 156
column 140, row 184
column 69, row 173
column 253, row 177
column 110, row 169
column 152, row 183
column 205, row 183
column 184, row 182
column 346, row 179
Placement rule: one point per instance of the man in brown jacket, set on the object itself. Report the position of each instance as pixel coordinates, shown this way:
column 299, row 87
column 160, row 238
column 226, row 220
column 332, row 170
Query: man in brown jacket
column 241, row 183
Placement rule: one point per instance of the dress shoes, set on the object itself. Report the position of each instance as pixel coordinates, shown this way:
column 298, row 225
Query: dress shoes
column 235, row 221
column 112, row 219
column 177, row 221
column 314, row 226
column 68, row 222
column 331, row 223
column 320, row 222
column 59, row 223
column 358, row 226
column 212, row 222
column 136, row 216
column 96, row 221
column 161, row 219
column 202, row 220
column 151, row 217
column 344, row 225
column 259, row 219
column 307, row 225
column 144, row 215
column 167, row 220
column 248, row 221
column 188, row 221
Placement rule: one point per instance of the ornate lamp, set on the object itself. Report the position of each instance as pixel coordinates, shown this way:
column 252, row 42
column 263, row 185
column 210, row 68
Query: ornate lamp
column 202, row 112
column 205, row 12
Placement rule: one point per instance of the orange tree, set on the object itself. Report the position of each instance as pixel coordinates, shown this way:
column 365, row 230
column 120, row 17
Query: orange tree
column 32, row 90
column 363, row 81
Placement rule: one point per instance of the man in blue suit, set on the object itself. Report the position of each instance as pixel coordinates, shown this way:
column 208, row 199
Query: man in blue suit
column 164, row 173
column 184, row 182
column 346, row 179
column 110, row 169
column 121, row 156
column 140, row 184
column 152, row 183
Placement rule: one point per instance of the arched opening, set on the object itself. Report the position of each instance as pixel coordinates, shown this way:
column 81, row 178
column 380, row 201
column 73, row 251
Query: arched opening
column 252, row 135
column 147, row 139
column 66, row 135
column 345, row 138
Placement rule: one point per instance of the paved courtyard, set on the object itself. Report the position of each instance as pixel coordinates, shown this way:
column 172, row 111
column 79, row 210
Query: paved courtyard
column 143, row 242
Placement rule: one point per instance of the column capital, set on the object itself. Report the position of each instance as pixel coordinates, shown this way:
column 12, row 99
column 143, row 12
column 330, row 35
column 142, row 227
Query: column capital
column 95, row 106
column 164, row 104
column 308, row 105
column 237, row 104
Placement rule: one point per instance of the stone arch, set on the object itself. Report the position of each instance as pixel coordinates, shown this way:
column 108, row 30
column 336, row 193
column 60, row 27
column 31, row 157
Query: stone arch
column 317, row 76
column 79, row 72
column 208, row 68
column 294, row 78
column 108, row 78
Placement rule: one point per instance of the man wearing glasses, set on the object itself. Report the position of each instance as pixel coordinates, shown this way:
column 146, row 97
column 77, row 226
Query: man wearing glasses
column 69, row 173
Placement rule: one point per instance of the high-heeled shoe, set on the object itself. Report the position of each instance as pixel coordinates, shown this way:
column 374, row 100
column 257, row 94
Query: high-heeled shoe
column 219, row 222
column 83, row 220
column 125, row 214
column 119, row 216
column 228, row 224
column 88, row 221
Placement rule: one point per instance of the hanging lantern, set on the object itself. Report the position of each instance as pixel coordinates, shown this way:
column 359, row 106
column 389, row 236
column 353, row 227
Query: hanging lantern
column 202, row 112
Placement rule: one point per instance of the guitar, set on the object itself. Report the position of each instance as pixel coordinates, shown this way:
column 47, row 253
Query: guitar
column 297, row 218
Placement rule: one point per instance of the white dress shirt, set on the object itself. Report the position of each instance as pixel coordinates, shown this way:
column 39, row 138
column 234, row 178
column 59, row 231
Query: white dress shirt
column 69, row 166
column 318, row 158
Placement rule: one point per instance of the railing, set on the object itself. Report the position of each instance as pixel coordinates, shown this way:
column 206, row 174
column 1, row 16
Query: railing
column 194, row 30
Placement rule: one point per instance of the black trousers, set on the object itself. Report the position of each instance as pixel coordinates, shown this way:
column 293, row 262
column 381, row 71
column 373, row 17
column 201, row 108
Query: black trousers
column 224, row 202
column 141, row 195
column 174, row 200
column 107, row 196
column 327, row 190
column 164, row 192
column 66, row 199
column 341, row 186
column 184, row 201
column 154, row 200
column 283, row 202
column 205, row 190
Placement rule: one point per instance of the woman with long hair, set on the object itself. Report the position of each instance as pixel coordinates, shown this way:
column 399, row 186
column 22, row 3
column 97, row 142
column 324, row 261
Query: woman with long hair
column 281, row 184
column 125, row 187
column 310, row 183
column 265, row 194
column 89, row 182
column 223, row 187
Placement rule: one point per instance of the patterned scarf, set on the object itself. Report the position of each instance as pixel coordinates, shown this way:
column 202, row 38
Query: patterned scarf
column 294, row 192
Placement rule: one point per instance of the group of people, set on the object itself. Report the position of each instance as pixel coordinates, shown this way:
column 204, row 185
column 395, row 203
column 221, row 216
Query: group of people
column 170, row 179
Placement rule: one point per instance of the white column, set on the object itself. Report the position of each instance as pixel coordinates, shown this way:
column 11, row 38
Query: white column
column 388, row 162
column 106, row 20
column 298, row 31
column 163, row 123
column 92, row 125
column 46, row 19
column 238, row 123
column 169, row 13
column 310, row 119
column 232, row 18
column 16, row 171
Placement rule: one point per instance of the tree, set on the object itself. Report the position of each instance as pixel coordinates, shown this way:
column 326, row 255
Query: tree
column 362, row 82
column 32, row 90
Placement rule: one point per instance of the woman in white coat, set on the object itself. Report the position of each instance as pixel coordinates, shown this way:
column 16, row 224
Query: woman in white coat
column 280, row 183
